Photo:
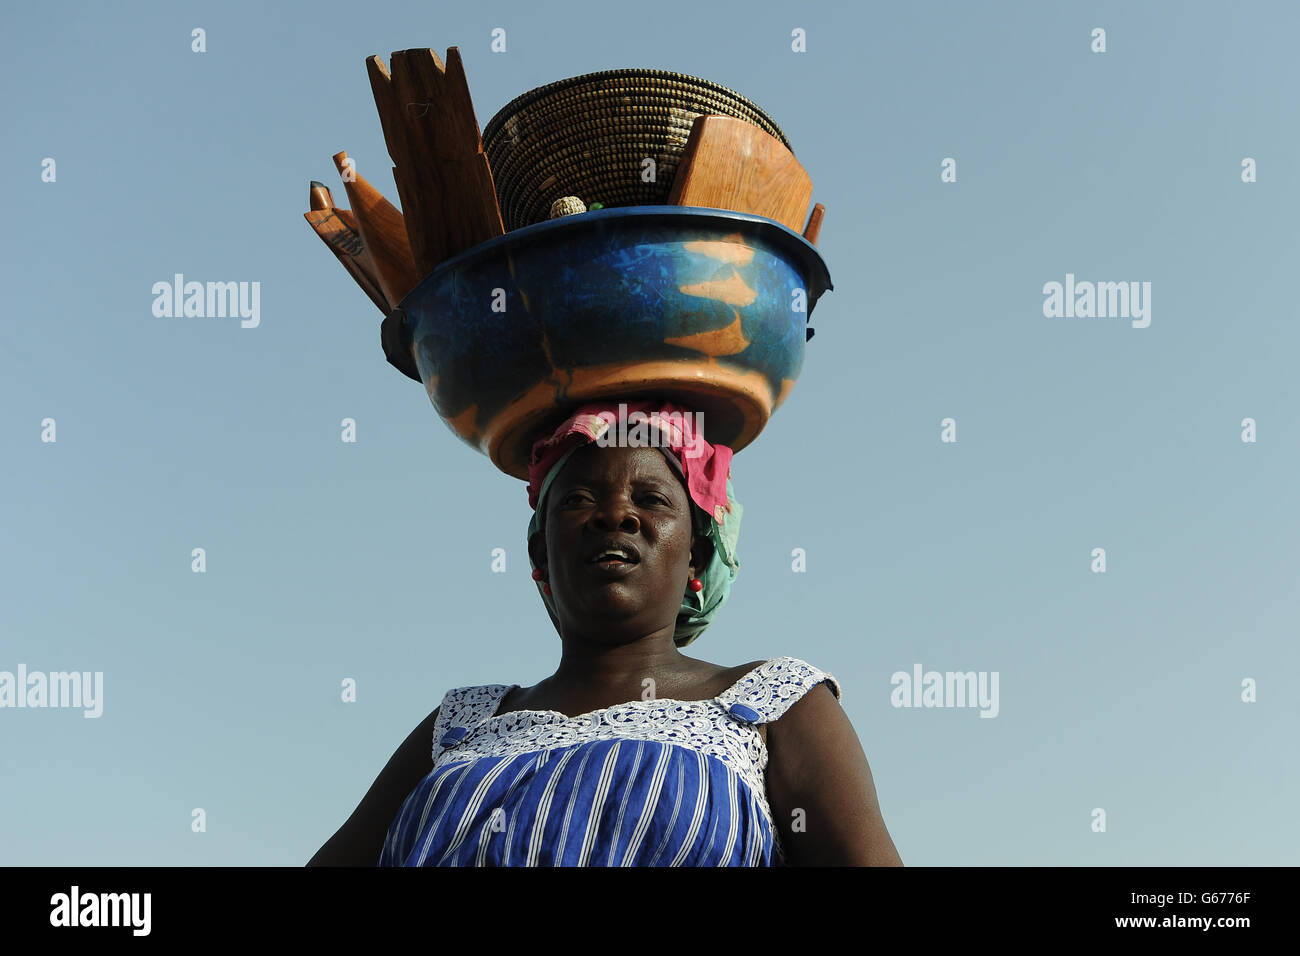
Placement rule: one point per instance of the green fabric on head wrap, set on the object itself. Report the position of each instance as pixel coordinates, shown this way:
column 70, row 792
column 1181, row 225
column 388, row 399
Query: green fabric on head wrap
column 698, row 607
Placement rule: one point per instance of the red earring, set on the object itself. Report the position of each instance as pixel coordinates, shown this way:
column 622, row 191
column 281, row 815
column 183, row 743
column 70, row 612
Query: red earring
column 546, row 589
column 537, row 574
column 695, row 584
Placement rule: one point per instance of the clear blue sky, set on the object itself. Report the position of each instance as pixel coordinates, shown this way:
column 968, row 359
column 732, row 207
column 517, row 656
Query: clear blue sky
column 372, row 560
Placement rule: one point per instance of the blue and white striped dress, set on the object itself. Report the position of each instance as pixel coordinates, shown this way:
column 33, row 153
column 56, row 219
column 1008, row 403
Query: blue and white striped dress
column 642, row 783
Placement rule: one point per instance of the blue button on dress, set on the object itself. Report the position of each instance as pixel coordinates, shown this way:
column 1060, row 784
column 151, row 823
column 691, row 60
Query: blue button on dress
column 642, row 783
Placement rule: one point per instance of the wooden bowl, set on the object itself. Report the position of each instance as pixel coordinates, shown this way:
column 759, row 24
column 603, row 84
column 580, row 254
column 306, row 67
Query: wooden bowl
column 701, row 306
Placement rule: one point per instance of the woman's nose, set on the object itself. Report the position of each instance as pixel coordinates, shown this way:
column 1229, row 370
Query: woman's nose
column 616, row 512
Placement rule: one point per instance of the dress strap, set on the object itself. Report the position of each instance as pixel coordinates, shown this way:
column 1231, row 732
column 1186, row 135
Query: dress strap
column 772, row 688
column 462, row 710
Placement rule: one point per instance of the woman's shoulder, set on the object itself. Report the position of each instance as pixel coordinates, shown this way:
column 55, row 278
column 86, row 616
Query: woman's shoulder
column 786, row 675
column 466, row 706
column 761, row 692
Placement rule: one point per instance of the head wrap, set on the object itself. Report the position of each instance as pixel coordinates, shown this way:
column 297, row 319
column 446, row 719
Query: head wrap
column 706, row 468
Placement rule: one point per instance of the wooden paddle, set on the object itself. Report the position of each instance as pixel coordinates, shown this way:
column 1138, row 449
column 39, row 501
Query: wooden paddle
column 731, row 164
column 443, row 178
column 338, row 230
column 382, row 232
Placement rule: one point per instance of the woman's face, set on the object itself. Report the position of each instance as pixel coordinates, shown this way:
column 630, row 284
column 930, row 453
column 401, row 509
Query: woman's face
column 610, row 497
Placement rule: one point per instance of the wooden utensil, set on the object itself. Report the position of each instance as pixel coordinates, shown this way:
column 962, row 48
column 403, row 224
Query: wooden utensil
column 729, row 163
column 443, row 178
column 814, row 227
column 340, row 234
column 322, row 198
column 382, row 232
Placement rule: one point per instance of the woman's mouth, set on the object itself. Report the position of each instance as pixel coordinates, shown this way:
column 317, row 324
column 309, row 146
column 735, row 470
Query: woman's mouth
column 613, row 567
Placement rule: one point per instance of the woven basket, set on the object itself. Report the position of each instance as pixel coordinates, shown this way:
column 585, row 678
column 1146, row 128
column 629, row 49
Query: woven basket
column 589, row 135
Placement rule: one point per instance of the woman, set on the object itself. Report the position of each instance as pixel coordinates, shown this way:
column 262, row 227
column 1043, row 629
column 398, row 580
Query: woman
column 631, row 753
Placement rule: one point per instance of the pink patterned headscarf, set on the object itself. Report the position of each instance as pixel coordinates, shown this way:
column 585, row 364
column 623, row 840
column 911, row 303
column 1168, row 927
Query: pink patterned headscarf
column 670, row 427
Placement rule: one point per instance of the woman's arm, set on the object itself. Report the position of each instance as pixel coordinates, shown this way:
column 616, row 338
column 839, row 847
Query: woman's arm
column 816, row 766
column 361, row 839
